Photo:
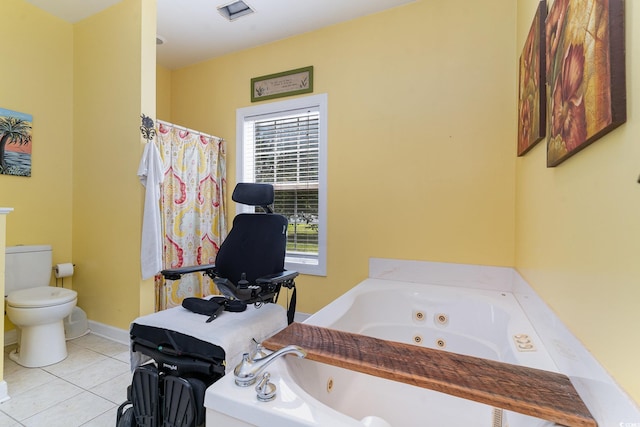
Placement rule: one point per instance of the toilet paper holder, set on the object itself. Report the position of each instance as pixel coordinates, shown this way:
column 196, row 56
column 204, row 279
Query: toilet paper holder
column 63, row 270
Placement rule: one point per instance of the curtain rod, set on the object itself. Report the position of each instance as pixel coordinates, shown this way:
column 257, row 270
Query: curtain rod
column 188, row 130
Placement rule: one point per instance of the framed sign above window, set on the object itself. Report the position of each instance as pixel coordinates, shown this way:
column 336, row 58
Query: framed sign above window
column 286, row 83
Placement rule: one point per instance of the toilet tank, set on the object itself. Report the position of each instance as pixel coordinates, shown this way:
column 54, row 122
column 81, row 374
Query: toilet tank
column 27, row 267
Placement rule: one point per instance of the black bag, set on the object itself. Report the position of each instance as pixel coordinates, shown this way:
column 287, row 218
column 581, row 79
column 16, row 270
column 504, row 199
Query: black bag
column 213, row 307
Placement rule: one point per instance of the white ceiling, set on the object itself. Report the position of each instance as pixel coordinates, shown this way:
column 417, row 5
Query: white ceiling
column 194, row 30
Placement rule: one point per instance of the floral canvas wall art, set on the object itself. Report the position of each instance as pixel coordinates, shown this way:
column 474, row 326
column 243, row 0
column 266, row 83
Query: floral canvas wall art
column 585, row 74
column 15, row 143
column 532, row 100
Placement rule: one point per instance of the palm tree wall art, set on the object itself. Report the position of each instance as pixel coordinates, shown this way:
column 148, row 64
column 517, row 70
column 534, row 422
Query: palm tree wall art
column 15, row 143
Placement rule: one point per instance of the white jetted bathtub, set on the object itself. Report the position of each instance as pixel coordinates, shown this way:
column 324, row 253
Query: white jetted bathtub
column 478, row 322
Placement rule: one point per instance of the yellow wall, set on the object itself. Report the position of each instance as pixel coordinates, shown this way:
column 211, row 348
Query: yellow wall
column 421, row 102
column 38, row 80
column 86, row 86
column 148, row 102
column 578, row 227
column 424, row 98
column 422, row 164
column 3, row 235
column 163, row 93
column 110, row 86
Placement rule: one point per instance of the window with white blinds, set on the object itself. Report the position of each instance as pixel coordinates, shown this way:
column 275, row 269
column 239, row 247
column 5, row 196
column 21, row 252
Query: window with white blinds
column 284, row 144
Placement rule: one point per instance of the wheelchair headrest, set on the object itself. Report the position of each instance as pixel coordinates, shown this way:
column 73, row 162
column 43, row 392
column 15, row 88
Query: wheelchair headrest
column 253, row 194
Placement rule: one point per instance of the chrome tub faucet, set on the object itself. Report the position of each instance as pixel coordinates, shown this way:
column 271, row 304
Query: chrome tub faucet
column 249, row 369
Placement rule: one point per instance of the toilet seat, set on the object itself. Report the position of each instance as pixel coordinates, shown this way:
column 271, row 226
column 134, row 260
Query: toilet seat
column 43, row 296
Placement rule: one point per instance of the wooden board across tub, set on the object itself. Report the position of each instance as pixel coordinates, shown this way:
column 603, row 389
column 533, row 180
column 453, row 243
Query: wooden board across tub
column 538, row 393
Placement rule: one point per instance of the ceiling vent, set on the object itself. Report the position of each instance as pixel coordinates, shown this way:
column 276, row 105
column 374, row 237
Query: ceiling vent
column 235, row 10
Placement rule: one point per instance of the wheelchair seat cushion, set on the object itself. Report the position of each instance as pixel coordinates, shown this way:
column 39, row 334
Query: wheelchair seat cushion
column 231, row 332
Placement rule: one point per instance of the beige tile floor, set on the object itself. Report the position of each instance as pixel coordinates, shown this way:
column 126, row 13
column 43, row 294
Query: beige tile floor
column 85, row 389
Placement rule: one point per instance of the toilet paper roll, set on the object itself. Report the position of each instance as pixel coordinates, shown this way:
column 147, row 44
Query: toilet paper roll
column 64, row 270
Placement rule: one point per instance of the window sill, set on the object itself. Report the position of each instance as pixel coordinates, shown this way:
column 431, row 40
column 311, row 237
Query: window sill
column 305, row 266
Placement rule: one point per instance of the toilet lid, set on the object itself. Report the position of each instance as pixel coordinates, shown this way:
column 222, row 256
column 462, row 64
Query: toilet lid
column 43, row 296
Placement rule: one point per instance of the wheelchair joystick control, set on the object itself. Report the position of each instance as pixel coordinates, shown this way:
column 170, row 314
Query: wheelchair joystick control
column 244, row 291
column 266, row 390
column 243, row 283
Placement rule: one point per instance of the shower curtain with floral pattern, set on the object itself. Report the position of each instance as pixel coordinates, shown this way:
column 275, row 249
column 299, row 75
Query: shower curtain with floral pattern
column 193, row 209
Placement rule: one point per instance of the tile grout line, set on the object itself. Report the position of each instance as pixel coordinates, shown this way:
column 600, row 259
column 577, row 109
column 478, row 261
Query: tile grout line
column 103, row 355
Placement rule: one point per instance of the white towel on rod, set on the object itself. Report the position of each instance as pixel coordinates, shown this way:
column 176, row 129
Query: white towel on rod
column 151, row 176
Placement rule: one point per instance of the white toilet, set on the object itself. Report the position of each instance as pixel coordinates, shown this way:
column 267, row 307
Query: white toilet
column 37, row 309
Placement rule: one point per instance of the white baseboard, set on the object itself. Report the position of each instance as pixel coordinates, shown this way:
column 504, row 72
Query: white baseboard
column 4, row 391
column 122, row 336
column 10, row 337
column 114, row 334
column 300, row 317
column 111, row 332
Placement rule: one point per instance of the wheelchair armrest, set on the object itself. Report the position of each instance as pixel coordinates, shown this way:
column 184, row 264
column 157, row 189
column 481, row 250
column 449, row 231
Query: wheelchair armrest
column 176, row 273
column 276, row 278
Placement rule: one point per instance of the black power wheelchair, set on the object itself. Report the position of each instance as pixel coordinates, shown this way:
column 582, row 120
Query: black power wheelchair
column 168, row 391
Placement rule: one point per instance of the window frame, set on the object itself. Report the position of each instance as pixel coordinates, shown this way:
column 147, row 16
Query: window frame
column 302, row 264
